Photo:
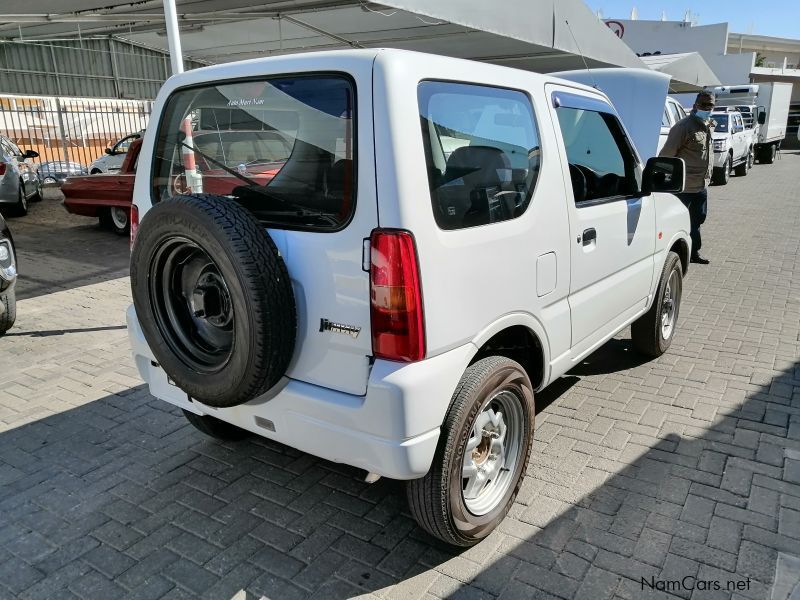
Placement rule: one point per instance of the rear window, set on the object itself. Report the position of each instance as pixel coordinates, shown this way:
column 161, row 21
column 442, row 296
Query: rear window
column 281, row 147
column 482, row 152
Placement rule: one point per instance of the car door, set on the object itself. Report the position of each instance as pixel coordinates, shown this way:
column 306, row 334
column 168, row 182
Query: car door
column 738, row 137
column 612, row 225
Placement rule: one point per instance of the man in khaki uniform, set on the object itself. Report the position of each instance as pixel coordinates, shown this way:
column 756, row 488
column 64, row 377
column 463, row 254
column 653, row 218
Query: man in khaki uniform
column 690, row 139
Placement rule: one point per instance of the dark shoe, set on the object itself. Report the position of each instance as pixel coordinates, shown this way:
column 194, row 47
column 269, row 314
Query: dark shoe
column 696, row 258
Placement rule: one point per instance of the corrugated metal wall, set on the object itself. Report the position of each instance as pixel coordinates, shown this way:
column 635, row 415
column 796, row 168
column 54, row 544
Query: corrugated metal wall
column 103, row 68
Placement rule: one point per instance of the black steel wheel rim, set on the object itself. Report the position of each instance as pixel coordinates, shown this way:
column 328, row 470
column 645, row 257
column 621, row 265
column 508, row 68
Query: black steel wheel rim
column 192, row 305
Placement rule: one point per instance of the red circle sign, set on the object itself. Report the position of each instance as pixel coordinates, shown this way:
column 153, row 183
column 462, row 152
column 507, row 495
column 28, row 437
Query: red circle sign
column 617, row 27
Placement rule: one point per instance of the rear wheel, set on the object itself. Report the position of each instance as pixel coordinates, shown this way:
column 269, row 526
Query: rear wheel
column 768, row 156
column 742, row 168
column 482, row 454
column 652, row 333
column 8, row 311
column 115, row 218
column 215, row 427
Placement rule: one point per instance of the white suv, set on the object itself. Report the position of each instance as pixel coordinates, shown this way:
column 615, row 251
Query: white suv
column 390, row 257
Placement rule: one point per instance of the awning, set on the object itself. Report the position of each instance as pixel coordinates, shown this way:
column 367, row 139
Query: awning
column 688, row 70
column 541, row 35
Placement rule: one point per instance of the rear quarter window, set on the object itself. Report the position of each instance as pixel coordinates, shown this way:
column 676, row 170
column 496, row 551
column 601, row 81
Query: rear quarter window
column 282, row 147
column 482, row 152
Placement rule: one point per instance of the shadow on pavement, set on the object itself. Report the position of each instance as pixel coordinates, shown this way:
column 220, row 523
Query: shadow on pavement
column 122, row 495
column 56, row 332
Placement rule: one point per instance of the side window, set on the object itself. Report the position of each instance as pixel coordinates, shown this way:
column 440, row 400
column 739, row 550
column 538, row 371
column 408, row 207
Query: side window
column 125, row 143
column 601, row 162
column 673, row 109
column 665, row 119
column 482, row 152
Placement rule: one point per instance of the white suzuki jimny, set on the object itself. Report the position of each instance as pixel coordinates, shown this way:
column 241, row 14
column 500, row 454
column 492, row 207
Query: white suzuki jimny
column 379, row 256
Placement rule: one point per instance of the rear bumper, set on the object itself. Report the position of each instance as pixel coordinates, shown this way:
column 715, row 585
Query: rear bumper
column 393, row 430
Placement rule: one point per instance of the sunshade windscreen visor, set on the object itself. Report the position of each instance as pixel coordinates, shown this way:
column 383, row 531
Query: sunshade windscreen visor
column 282, row 147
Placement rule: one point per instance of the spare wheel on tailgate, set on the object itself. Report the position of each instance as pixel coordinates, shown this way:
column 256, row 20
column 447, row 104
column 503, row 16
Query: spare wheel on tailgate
column 214, row 299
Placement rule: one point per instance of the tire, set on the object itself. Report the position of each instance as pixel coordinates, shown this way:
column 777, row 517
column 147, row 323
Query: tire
column 95, row 172
column 742, row 168
column 9, row 315
column 20, row 207
column 437, row 500
column 214, row 299
column 722, row 175
column 215, row 427
column 768, row 157
column 647, row 333
column 116, row 219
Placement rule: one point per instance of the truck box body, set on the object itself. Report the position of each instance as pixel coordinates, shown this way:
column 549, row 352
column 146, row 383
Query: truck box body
column 773, row 97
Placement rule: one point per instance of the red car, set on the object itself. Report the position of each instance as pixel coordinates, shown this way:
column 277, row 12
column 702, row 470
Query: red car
column 109, row 196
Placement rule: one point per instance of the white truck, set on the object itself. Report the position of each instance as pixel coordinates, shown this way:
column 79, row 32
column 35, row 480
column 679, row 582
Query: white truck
column 772, row 100
column 378, row 297
column 733, row 145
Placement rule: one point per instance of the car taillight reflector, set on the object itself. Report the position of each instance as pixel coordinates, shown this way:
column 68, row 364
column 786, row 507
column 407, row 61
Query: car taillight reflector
column 134, row 223
column 397, row 318
column 2, row 168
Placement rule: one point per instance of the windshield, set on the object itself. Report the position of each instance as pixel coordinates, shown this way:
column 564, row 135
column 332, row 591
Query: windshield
column 281, row 147
column 721, row 122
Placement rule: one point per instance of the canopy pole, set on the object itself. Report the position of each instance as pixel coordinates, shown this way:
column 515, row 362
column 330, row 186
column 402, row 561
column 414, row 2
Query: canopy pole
column 173, row 36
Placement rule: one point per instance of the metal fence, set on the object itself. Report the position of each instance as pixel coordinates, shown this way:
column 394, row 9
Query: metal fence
column 70, row 129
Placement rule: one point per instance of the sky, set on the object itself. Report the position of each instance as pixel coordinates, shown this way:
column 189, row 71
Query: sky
column 779, row 18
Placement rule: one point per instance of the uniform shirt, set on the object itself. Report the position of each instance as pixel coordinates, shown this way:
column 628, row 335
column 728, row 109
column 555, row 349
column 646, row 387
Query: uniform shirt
column 690, row 139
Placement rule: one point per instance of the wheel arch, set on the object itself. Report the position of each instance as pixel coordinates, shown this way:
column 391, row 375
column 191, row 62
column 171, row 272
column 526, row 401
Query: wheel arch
column 520, row 337
column 681, row 248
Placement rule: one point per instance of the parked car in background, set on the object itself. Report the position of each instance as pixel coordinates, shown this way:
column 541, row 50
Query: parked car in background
column 112, row 161
column 673, row 112
column 314, row 302
column 57, row 171
column 19, row 182
column 106, row 196
column 732, row 144
column 8, row 278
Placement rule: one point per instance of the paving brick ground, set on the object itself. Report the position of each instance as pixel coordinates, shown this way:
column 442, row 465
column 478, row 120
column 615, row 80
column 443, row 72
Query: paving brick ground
column 684, row 466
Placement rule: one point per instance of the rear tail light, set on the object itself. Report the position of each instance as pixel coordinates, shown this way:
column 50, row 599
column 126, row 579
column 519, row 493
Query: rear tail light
column 2, row 168
column 398, row 331
column 134, row 223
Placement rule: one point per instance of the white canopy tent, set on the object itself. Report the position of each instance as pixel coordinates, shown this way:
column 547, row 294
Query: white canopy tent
column 688, row 70
column 542, row 35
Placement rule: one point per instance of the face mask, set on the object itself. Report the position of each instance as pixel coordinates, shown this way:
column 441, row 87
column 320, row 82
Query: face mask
column 703, row 114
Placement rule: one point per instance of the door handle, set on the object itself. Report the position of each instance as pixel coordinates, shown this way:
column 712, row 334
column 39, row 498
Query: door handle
column 589, row 236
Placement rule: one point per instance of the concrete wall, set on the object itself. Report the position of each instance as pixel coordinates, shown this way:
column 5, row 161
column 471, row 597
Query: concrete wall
column 671, row 37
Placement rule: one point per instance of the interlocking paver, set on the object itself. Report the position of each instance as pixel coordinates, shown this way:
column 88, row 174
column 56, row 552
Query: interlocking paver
column 687, row 465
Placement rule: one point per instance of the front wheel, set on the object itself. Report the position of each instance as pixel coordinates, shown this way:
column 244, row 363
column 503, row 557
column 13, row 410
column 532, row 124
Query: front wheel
column 722, row 175
column 8, row 310
column 652, row 333
column 481, row 457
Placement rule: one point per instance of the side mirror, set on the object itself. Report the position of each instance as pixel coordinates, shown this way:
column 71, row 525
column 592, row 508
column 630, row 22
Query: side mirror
column 30, row 154
column 762, row 116
column 664, row 174
column 109, row 151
